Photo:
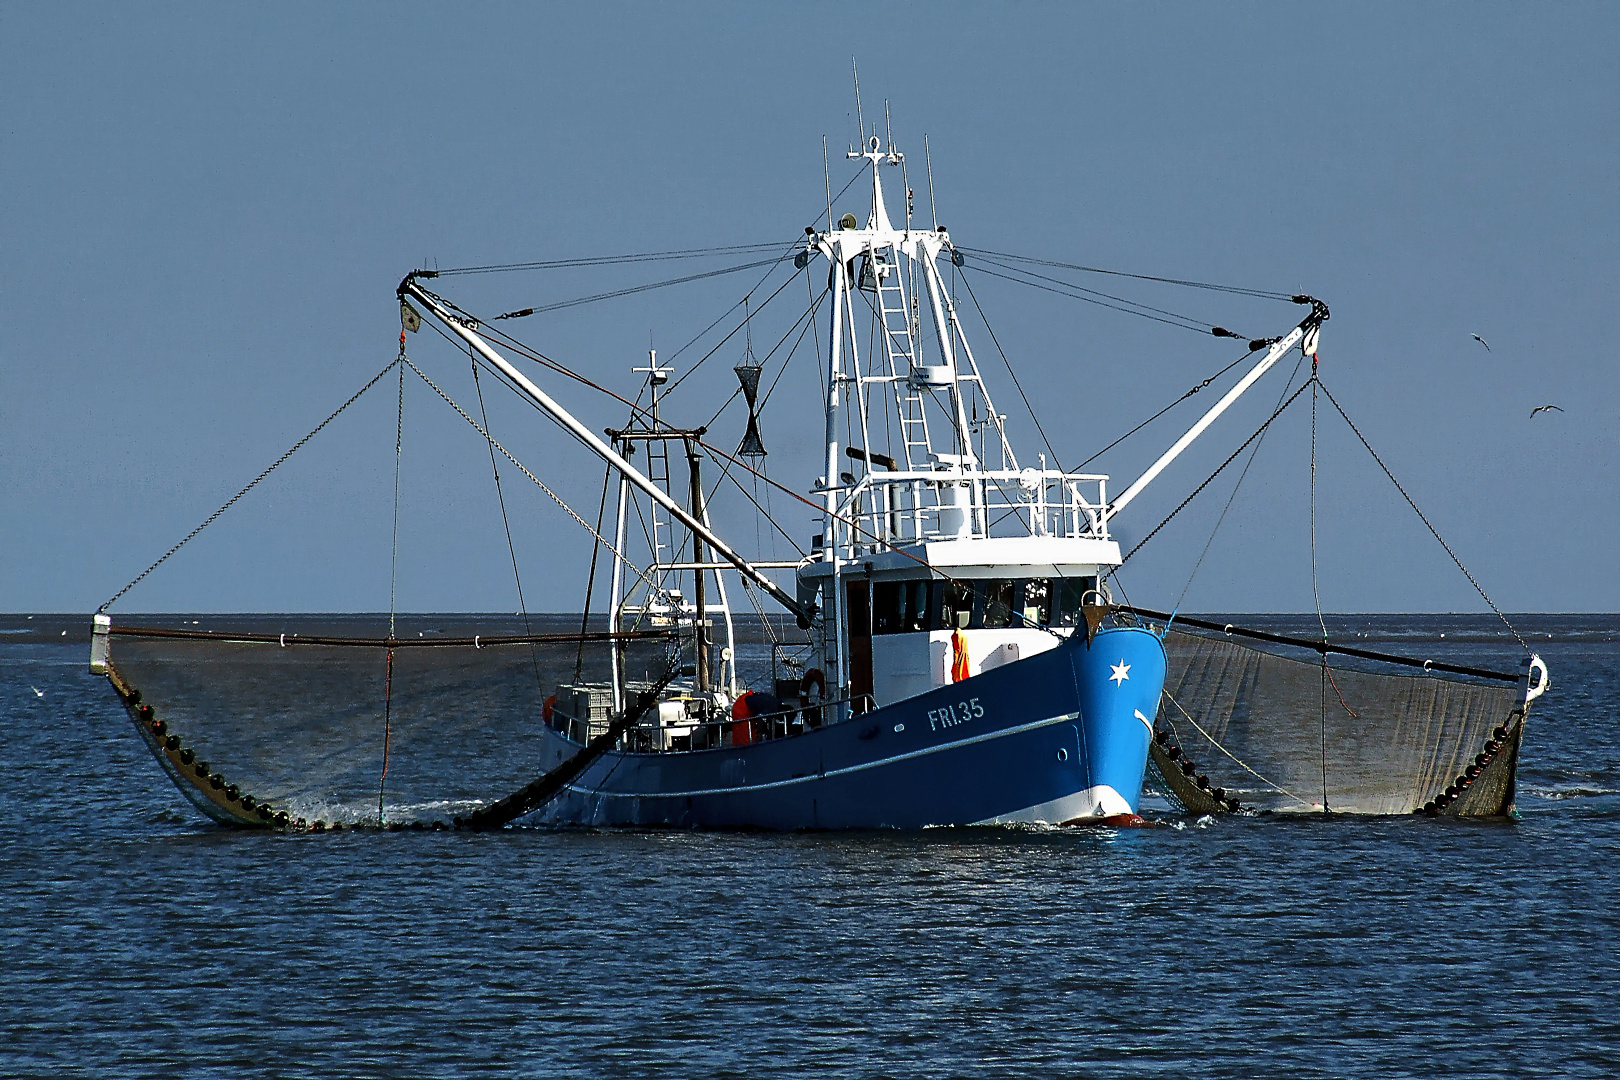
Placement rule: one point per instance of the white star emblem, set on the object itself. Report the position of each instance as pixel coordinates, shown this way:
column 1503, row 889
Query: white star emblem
column 1122, row 672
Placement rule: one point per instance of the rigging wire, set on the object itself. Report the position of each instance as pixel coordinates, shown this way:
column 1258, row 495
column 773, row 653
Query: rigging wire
column 1210, row 479
column 1181, row 322
column 997, row 342
column 590, row 578
column 745, row 324
column 234, row 499
column 1200, row 386
column 633, row 289
column 1264, row 294
column 500, row 497
column 611, row 260
column 1433, row 531
column 537, row 481
column 1230, row 499
column 1138, row 307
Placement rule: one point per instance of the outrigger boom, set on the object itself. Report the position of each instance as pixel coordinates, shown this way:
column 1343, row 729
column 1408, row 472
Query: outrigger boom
column 806, row 613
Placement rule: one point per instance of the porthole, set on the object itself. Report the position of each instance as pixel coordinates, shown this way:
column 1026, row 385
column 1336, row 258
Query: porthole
column 1063, row 754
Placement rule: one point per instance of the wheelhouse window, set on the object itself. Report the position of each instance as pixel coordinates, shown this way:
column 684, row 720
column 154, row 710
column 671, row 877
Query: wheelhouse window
column 909, row 607
column 1000, row 598
column 902, row 607
column 956, row 611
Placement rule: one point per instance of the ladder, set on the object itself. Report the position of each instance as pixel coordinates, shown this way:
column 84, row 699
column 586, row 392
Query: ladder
column 900, row 343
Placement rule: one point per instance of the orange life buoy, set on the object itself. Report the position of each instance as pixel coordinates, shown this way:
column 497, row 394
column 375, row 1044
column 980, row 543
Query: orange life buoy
column 815, row 676
column 547, row 709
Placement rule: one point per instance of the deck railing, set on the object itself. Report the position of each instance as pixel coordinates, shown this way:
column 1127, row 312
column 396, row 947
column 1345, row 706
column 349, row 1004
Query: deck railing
column 885, row 509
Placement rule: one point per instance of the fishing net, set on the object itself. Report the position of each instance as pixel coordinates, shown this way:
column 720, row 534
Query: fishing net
column 1259, row 721
column 349, row 730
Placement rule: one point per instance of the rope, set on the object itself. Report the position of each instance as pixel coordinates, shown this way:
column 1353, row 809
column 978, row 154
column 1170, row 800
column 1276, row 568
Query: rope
column 500, row 497
column 1216, row 744
column 1230, row 499
column 388, row 733
column 1435, row 532
column 253, row 483
column 1316, row 595
column 393, row 580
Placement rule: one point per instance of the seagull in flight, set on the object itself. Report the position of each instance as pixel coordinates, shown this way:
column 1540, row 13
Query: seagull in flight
column 37, row 691
column 1543, row 408
column 1482, row 341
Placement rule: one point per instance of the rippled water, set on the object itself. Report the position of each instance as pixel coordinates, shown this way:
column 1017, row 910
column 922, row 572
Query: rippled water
column 139, row 940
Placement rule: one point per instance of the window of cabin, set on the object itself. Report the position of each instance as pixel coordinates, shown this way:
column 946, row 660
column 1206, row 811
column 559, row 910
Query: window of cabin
column 916, row 611
column 888, row 599
column 956, row 609
column 999, row 597
column 1036, row 602
column 900, row 607
column 1069, row 593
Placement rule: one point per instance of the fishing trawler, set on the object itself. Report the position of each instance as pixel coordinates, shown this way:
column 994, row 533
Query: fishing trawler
column 962, row 660
column 951, row 674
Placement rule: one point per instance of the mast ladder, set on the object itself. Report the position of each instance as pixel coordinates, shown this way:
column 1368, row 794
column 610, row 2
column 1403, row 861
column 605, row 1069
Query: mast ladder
column 900, row 344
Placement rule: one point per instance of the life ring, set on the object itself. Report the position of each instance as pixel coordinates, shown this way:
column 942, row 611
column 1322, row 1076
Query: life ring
column 817, row 677
column 548, row 708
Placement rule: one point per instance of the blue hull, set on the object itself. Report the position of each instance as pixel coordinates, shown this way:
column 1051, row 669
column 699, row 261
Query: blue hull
column 1058, row 737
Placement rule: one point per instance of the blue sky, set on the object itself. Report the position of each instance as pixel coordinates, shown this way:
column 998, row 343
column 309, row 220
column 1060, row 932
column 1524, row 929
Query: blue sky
column 207, row 209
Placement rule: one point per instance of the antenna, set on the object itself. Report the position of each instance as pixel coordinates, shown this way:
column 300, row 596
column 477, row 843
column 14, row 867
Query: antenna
column 888, row 129
column 826, row 175
column 929, row 160
column 860, row 121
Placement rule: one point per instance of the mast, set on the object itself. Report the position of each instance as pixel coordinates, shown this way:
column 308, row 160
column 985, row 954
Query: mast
column 409, row 287
column 700, row 629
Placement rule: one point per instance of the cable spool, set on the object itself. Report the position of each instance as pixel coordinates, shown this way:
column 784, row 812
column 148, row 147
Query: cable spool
column 1499, row 734
column 1471, row 772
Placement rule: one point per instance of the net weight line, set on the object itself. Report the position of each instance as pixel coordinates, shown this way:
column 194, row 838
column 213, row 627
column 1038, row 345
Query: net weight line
column 1324, row 648
column 479, row 641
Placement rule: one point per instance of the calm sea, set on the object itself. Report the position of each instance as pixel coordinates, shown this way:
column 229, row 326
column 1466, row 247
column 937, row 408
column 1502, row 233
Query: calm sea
column 137, row 939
